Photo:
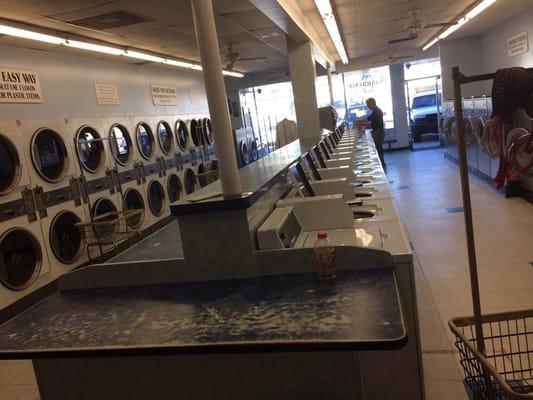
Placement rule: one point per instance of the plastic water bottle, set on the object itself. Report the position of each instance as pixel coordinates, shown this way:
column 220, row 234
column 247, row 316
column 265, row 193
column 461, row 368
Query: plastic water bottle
column 324, row 255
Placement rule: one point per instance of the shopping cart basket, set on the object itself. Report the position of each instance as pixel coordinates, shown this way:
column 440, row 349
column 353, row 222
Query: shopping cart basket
column 110, row 229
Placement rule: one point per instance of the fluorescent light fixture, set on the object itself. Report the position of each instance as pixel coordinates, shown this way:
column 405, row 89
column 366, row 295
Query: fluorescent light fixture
column 233, row 73
column 182, row 64
column 26, row 34
column 427, row 46
column 325, row 10
column 143, row 56
column 94, row 47
column 471, row 14
column 23, row 33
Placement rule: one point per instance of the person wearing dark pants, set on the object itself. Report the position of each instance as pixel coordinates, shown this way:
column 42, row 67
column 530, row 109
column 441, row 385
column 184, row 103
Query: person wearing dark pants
column 375, row 119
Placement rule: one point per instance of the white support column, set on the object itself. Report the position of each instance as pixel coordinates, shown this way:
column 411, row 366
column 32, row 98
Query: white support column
column 330, row 85
column 303, row 75
column 207, row 40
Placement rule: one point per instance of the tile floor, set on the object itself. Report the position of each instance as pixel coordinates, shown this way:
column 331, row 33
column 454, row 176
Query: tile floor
column 504, row 234
column 425, row 186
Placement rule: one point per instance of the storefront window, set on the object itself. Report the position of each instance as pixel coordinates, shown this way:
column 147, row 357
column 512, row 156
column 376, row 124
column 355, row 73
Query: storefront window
column 264, row 106
column 360, row 85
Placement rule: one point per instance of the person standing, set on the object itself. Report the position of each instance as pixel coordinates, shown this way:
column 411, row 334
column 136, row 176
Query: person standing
column 375, row 119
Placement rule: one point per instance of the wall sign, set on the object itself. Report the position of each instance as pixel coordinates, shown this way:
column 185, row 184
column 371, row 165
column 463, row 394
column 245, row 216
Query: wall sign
column 164, row 95
column 107, row 94
column 19, row 86
column 518, row 44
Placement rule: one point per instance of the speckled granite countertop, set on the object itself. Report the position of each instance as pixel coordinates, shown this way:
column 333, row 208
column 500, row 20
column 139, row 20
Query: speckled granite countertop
column 360, row 310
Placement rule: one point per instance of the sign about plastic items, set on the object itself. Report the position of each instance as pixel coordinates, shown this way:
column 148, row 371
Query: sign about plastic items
column 106, row 94
column 518, row 44
column 19, row 86
column 164, row 95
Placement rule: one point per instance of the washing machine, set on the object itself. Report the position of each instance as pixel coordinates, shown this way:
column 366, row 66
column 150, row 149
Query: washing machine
column 190, row 183
column 174, row 186
column 147, row 148
column 24, row 265
column 157, row 199
column 134, row 198
column 99, row 204
column 54, row 169
column 14, row 176
column 65, row 243
column 121, row 141
column 195, row 131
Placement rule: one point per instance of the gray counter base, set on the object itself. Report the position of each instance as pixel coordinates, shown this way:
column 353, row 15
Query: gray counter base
column 263, row 376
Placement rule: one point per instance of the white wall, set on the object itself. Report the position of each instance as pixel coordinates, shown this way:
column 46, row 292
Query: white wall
column 485, row 53
column 466, row 54
column 494, row 44
column 68, row 86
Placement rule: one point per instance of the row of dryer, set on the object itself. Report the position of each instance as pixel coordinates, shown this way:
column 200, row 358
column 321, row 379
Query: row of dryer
column 56, row 173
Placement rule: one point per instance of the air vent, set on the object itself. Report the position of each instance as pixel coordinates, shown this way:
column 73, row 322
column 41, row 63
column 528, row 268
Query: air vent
column 115, row 19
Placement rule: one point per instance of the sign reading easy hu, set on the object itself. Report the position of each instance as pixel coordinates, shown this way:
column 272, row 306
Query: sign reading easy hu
column 19, row 86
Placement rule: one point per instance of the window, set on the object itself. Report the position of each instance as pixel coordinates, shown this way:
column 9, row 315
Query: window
column 360, row 85
column 427, row 100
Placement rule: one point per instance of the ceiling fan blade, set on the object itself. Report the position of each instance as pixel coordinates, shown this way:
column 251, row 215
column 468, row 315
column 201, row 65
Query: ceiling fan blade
column 392, row 34
column 440, row 24
column 404, row 39
column 403, row 57
column 251, row 58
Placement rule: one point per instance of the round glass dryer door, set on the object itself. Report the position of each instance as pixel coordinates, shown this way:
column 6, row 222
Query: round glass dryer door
column 213, row 167
column 49, row 155
column 145, row 140
column 10, row 168
column 190, row 181
column 202, row 177
column 90, row 148
column 156, row 198
column 120, row 144
column 165, row 137
column 208, row 131
column 174, row 188
column 182, row 134
column 196, row 132
column 65, row 238
column 133, row 200
column 100, row 208
column 21, row 259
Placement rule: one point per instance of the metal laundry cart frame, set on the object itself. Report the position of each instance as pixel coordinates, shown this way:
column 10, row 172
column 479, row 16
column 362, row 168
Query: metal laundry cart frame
column 483, row 370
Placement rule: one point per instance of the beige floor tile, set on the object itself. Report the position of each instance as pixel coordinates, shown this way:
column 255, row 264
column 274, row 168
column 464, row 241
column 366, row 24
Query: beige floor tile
column 9, row 371
column 19, row 392
column 434, row 340
column 445, row 390
column 440, row 367
column 27, row 377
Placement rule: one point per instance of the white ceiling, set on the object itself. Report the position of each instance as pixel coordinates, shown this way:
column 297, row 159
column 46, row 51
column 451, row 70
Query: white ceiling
column 366, row 25
column 168, row 27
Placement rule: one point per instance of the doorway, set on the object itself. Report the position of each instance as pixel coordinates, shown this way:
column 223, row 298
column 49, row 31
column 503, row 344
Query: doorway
column 423, row 94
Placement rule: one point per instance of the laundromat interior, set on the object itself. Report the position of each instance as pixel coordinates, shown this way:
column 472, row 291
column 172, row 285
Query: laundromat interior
column 266, row 199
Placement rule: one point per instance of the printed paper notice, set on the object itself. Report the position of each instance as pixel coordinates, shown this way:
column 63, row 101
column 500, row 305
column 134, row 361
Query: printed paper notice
column 518, row 44
column 19, row 86
column 164, row 95
column 107, row 94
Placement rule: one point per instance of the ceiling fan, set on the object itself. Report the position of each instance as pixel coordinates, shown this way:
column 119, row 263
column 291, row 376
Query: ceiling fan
column 415, row 24
column 230, row 57
column 392, row 58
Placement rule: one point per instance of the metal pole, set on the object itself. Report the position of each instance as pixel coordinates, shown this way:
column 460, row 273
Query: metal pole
column 206, row 37
column 330, row 85
column 467, row 205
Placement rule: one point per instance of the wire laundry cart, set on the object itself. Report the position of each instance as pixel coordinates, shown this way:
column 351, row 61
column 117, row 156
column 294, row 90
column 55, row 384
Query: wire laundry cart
column 110, row 229
column 496, row 350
